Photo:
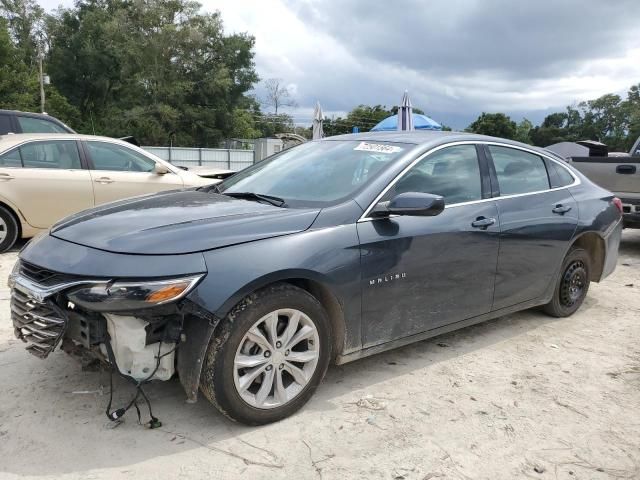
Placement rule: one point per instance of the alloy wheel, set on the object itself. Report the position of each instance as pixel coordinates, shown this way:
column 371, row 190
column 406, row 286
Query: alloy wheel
column 276, row 358
column 3, row 230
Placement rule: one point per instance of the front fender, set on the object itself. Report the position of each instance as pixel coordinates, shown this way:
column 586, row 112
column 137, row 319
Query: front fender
column 329, row 256
column 269, row 279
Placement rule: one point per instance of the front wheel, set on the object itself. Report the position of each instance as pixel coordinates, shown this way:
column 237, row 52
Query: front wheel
column 8, row 230
column 270, row 355
column 572, row 285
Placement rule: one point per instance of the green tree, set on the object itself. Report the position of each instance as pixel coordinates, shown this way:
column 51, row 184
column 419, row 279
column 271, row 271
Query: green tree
column 26, row 23
column 494, row 124
column 632, row 108
column 608, row 119
column 523, row 131
column 19, row 82
column 159, row 70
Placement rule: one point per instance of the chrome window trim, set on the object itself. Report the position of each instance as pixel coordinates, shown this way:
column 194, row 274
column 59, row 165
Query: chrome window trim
column 576, row 181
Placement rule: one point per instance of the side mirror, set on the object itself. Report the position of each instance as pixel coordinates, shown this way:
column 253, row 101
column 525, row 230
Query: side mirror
column 410, row 203
column 160, row 169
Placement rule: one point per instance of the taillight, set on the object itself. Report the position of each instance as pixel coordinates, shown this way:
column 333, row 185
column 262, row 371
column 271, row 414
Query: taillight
column 618, row 203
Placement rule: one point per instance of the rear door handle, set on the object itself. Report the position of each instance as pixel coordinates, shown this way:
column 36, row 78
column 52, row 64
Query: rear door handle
column 6, row 176
column 104, row 180
column 483, row 222
column 626, row 169
column 560, row 209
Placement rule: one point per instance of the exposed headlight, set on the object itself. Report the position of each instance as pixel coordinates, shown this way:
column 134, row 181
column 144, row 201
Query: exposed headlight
column 11, row 281
column 121, row 296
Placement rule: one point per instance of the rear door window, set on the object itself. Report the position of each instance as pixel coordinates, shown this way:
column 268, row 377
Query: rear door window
column 39, row 125
column 11, row 159
column 62, row 154
column 564, row 177
column 519, row 171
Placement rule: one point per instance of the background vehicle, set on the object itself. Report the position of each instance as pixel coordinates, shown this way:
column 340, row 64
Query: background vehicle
column 617, row 172
column 14, row 121
column 330, row 251
column 45, row 177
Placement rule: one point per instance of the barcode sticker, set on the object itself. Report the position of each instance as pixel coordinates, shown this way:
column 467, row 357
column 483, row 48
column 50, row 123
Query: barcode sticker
column 378, row 148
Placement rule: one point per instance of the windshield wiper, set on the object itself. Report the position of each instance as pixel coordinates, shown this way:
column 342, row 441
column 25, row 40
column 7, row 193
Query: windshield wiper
column 276, row 201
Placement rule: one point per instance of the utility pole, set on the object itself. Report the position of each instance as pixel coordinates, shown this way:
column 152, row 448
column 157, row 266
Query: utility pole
column 41, row 80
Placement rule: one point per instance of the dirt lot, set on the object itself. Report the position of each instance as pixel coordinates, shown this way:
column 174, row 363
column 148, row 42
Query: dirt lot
column 524, row 396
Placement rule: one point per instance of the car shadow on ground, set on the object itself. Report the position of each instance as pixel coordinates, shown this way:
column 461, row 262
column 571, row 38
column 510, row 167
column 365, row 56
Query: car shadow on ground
column 53, row 406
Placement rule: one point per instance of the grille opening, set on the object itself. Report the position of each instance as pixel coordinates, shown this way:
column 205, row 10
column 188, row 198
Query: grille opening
column 40, row 325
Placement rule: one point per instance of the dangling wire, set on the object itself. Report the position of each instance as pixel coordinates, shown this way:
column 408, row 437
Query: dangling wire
column 119, row 413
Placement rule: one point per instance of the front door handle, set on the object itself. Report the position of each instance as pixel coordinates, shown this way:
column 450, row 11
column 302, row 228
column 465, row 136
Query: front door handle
column 483, row 222
column 560, row 209
column 6, row 176
column 104, row 180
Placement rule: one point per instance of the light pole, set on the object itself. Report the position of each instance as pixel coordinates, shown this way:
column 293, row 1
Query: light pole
column 41, row 80
column 44, row 79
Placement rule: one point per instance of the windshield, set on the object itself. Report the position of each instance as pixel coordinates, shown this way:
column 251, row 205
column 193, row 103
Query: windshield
column 316, row 173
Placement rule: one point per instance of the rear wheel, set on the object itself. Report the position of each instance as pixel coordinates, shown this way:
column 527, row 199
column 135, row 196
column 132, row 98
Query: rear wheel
column 269, row 357
column 8, row 230
column 572, row 285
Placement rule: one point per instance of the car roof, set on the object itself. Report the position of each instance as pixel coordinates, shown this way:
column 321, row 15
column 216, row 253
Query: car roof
column 44, row 116
column 430, row 138
column 27, row 114
column 11, row 139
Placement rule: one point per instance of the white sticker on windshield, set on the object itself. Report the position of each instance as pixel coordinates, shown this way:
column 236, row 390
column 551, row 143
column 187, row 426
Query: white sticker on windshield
column 377, row 147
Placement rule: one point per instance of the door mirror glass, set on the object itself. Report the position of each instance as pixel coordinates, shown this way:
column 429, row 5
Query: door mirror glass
column 410, row 203
column 160, row 169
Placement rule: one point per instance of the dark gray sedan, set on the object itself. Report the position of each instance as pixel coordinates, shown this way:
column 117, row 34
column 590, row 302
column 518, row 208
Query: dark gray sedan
column 327, row 252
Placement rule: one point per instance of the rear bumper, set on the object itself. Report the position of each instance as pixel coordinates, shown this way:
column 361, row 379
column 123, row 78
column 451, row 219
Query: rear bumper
column 612, row 243
column 630, row 212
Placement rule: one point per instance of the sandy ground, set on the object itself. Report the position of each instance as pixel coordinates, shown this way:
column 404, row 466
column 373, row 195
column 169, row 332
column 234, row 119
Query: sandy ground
column 524, row 396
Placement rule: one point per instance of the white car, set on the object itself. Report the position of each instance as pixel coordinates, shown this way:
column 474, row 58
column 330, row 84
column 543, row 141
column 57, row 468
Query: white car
column 45, row 177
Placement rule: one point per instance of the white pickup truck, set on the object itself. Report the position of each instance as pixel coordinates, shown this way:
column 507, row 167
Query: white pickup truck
column 617, row 172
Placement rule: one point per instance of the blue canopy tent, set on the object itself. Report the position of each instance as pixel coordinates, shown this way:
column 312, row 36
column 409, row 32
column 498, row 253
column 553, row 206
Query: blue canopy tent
column 420, row 122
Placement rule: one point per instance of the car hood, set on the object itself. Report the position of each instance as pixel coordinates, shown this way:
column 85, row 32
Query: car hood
column 179, row 222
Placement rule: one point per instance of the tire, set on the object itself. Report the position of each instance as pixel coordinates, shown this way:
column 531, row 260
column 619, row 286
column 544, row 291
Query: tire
column 8, row 230
column 572, row 284
column 228, row 384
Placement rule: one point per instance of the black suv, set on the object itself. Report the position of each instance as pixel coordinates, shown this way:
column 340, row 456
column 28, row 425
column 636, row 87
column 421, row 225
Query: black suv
column 14, row 121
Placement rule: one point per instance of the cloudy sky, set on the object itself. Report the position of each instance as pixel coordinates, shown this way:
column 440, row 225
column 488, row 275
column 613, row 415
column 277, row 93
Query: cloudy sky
column 456, row 58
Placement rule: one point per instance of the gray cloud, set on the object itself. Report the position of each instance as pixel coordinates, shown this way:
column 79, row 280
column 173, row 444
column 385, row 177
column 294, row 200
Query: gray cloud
column 459, row 58
column 457, row 36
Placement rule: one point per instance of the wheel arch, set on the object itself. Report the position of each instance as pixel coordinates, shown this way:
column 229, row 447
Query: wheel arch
column 310, row 281
column 594, row 244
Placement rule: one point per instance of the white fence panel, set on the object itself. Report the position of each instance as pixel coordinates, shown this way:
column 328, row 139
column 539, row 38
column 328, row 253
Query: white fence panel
column 208, row 157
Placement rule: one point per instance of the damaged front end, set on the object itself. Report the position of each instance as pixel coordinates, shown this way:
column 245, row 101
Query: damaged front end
column 136, row 327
